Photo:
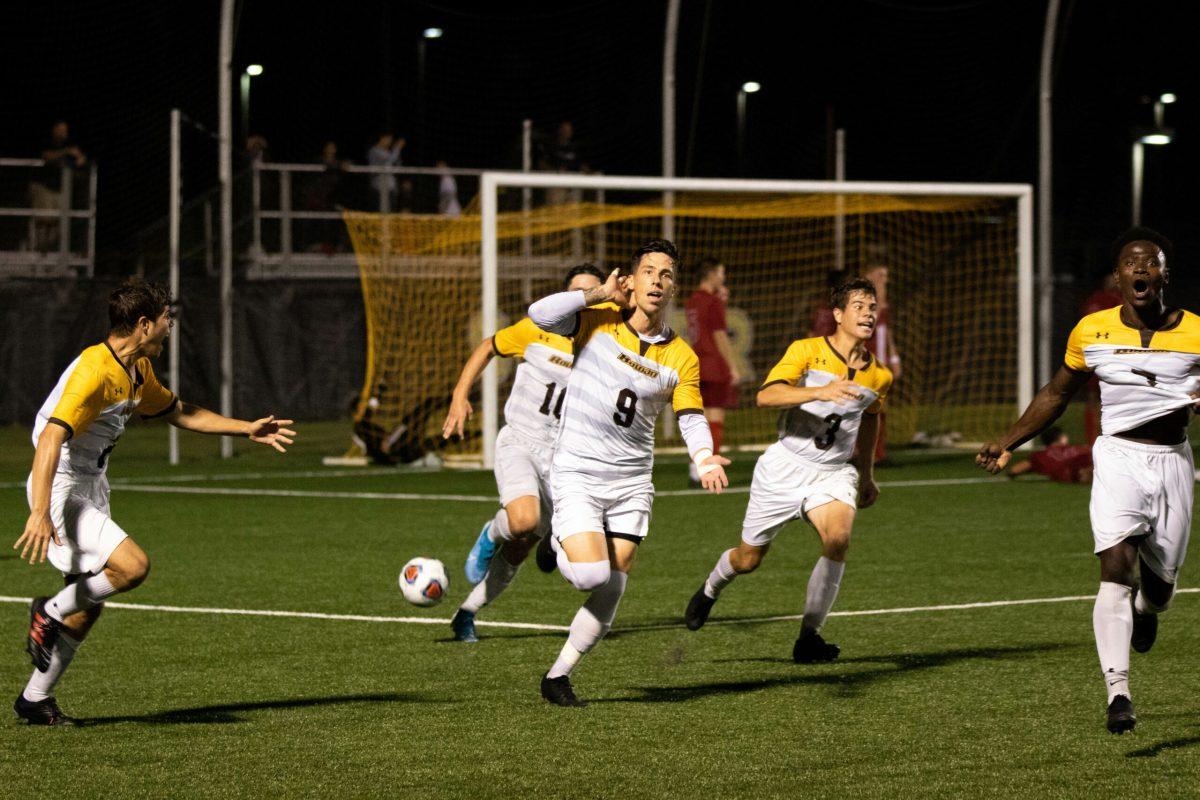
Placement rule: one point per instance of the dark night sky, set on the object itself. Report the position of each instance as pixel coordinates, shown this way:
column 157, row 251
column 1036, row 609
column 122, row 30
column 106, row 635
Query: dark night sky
column 926, row 91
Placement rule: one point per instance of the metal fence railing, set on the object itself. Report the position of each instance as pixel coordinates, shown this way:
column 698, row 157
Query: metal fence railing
column 47, row 219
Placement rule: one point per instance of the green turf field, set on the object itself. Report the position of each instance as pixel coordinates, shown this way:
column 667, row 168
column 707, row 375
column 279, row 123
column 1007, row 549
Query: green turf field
column 981, row 702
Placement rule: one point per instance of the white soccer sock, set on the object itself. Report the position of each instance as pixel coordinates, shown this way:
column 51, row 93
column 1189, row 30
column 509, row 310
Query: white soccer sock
column 41, row 684
column 1112, row 620
column 499, row 575
column 80, row 596
column 693, row 472
column 822, row 591
column 499, row 531
column 720, row 576
column 591, row 623
column 1143, row 606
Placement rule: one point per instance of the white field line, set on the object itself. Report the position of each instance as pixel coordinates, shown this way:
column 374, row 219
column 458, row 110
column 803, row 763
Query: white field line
column 247, row 612
column 465, row 498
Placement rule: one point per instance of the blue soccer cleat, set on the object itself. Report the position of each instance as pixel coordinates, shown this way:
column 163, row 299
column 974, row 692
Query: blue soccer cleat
column 480, row 557
column 464, row 626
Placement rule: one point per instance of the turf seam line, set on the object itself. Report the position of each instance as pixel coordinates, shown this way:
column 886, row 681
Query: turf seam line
column 247, row 612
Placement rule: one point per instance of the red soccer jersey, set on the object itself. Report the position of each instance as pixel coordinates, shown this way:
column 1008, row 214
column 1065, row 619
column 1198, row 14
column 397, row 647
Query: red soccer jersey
column 1062, row 462
column 705, row 316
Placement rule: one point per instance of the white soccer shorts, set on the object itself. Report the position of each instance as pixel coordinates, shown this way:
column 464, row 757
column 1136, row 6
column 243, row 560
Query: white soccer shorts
column 787, row 487
column 584, row 503
column 522, row 468
column 80, row 513
column 1143, row 489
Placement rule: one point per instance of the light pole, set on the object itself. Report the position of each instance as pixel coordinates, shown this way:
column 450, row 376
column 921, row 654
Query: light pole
column 251, row 71
column 426, row 35
column 749, row 87
column 1158, row 135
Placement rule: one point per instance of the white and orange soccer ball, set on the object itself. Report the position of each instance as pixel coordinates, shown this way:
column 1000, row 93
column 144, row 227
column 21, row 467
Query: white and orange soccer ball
column 423, row 581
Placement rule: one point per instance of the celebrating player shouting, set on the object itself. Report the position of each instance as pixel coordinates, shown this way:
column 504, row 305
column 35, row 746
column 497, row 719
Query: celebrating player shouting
column 69, row 520
column 833, row 390
column 628, row 366
column 1147, row 358
column 524, row 447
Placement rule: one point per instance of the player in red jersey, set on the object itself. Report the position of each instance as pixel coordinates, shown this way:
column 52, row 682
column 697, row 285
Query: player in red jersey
column 1060, row 461
column 709, row 336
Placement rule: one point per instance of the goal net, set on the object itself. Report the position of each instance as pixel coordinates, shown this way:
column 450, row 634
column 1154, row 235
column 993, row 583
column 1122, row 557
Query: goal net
column 959, row 290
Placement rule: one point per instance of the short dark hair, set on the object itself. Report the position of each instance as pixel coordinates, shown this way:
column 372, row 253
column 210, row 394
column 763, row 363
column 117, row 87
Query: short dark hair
column 707, row 266
column 1139, row 233
column 134, row 299
column 840, row 294
column 587, row 268
column 1051, row 434
column 653, row 246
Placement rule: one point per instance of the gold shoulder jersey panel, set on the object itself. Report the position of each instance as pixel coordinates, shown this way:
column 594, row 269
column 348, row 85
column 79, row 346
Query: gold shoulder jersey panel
column 800, row 356
column 154, row 398
column 1103, row 328
column 593, row 319
column 511, row 342
column 96, row 382
column 816, row 353
column 1183, row 338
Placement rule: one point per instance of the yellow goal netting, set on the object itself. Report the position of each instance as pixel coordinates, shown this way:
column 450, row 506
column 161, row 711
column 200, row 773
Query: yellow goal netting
column 952, row 295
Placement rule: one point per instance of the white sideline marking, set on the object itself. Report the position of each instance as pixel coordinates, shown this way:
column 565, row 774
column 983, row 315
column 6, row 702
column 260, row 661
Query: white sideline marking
column 247, row 612
column 465, row 498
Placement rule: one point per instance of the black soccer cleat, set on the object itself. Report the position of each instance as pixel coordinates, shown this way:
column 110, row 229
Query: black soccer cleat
column 43, row 633
column 1120, row 715
column 698, row 609
column 547, row 559
column 42, row 712
column 1145, row 630
column 559, row 691
column 810, row 648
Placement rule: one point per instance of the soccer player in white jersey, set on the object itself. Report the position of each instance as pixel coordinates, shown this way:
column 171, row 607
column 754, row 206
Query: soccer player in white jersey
column 69, row 521
column 832, row 390
column 523, row 449
column 628, row 366
column 1146, row 355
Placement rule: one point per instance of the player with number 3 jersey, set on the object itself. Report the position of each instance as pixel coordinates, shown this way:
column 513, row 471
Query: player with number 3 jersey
column 628, row 366
column 524, row 447
column 831, row 389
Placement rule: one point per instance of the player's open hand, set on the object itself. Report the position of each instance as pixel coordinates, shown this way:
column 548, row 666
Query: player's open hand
column 456, row 419
column 715, row 480
column 840, row 392
column 274, row 432
column 993, row 457
column 868, row 493
column 39, row 531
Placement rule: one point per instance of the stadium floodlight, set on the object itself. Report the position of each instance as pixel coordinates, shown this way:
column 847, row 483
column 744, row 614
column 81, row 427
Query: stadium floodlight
column 1167, row 98
column 254, row 70
column 750, row 87
column 1156, row 138
column 432, row 33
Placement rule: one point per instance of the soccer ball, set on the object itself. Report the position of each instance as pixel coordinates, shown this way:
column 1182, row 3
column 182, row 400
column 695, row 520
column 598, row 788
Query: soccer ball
column 423, row 581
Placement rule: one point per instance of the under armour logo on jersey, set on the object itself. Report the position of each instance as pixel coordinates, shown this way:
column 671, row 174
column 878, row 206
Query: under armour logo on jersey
column 1101, row 334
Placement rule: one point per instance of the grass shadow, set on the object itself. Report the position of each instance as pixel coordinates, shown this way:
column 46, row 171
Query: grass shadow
column 231, row 713
column 846, row 682
column 1155, row 750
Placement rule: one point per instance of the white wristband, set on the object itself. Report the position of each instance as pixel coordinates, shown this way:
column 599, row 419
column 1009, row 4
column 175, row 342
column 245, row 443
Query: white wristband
column 701, row 468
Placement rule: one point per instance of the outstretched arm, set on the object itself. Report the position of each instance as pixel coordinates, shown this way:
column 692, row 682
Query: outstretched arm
column 39, row 530
column 1047, row 406
column 460, row 403
column 268, row 430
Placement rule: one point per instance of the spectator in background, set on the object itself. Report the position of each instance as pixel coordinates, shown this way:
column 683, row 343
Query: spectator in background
column 561, row 155
column 385, row 153
column 256, row 148
column 45, row 191
column 1060, row 461
column 880, row 344
column 324, row 193
column 1105, row 296
column 709, row 336
column 448, row 205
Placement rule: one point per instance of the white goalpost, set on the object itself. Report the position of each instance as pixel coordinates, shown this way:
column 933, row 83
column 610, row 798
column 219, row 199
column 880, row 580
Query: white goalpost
column 1022, row 246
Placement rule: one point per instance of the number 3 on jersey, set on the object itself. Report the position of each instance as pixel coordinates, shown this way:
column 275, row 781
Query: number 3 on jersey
column 626, row 408
column 825, row 440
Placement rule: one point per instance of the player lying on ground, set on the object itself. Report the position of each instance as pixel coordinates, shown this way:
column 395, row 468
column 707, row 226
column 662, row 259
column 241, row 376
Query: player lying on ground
column 1059, row 460
column 1147, row 358
column 628, row 366
column 69, row 519
column 832, row 389
column 523, row 449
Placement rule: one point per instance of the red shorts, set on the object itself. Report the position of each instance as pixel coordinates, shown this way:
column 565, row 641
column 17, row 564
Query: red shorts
column 721, row 394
